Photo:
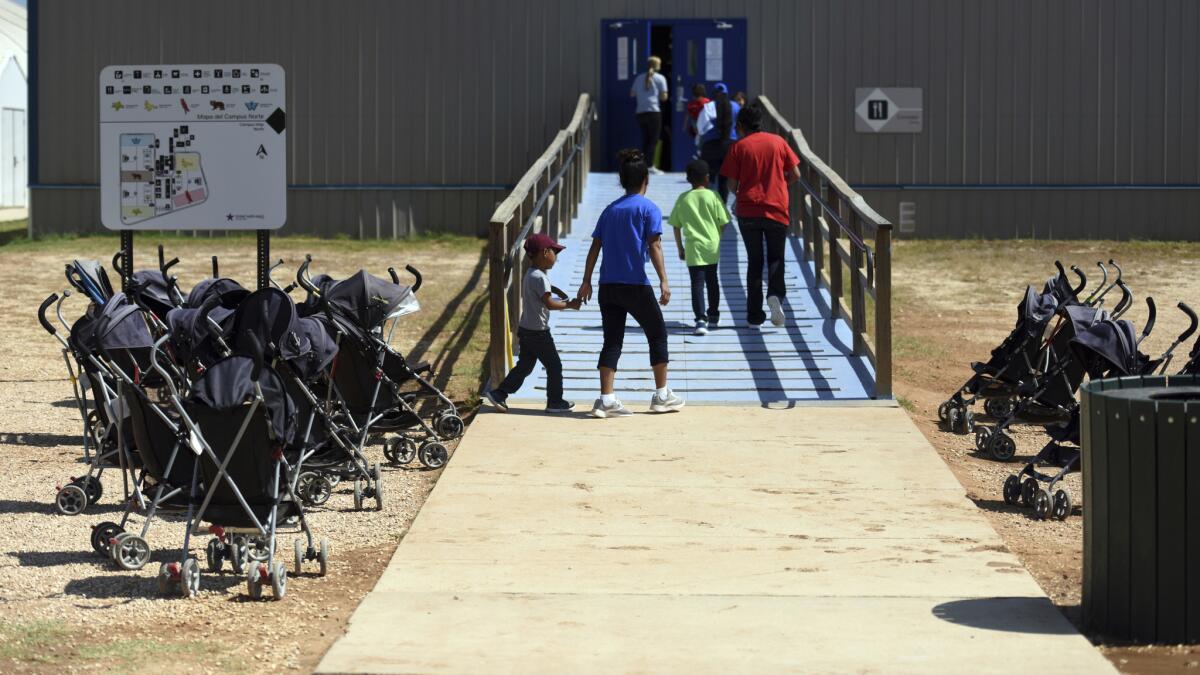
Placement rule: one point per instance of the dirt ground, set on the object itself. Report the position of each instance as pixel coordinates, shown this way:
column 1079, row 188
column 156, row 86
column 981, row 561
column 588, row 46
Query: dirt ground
column 62, row 607
column 954, row 302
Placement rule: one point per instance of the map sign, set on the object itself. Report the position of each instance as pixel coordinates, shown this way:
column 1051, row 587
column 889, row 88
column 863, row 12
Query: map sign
column 193, row 147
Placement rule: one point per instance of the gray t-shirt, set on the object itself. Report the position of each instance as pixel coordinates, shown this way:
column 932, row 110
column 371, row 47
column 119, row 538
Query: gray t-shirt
column 648, row 99
column 534, row 313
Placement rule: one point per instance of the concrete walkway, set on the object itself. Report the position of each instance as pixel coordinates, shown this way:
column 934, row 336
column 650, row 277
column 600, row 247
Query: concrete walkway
column 740, row 539
column 808, row 358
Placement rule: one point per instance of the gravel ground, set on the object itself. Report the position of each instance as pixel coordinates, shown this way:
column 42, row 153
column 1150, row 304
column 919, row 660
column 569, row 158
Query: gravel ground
column 62, row 607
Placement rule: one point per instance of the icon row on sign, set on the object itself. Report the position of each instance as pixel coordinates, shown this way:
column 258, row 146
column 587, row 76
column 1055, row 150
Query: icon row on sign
column 217, row 73
column 185, row 89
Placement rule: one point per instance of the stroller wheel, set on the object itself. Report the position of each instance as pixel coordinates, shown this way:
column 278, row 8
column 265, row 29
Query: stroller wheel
column 952, row 416
column 114, row 545
column 400, row 449
column 258, row 549
column 333, row 479
column 375, row 471
column 92, row 487
column 1029, row 490
column 132, row 552
column 1042, row 503
column 983, row 438
column 1012, row 490
column 450, row 426
column 279, row 581
column 298, row 550
column 966, row 421
column 71, row 500
column 214, row 555
column 102, row 534
column 189, row 578
column 317, row 490
column 433, row 454
column 358, row 495
column 1062, row 505
column 378, row 493
column 323, row 556
column 944, row 411
column 254, row 574
column 1002, row 446
column 999, row 408
column 237, row 554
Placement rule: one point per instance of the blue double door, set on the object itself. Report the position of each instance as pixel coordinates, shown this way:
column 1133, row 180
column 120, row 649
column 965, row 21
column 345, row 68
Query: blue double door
column 693, row 51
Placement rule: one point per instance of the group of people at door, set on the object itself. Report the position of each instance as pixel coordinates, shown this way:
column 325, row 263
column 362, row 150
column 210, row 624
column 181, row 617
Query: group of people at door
column 710, row 121
column 756, row 166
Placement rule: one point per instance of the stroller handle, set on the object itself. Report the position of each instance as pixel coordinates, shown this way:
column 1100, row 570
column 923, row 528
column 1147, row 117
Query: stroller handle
column 1125, row 301
column 1192, row 318
column 1153, row 314
column 118, row 260
column 216, row 268
column 205, row 309
column 164, row 267
column 1082, row 280
column 302, row 275
column 1062, row 272
column 42, row 314
column 416, row 274
column 256, row 353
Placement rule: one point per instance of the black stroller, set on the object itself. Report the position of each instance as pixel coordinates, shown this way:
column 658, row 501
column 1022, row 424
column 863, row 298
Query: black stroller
column 101, row 413
column 240, row 422
column 379, row 391
column 1107, row 349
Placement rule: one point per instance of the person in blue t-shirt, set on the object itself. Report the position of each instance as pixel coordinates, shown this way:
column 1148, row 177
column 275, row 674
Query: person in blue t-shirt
column 629, row 232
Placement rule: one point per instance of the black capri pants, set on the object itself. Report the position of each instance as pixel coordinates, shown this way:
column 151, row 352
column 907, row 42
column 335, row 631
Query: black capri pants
column 620, row 300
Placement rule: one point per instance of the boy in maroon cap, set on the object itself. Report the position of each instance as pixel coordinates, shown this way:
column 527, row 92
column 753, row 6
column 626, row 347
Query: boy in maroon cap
column 533, row 330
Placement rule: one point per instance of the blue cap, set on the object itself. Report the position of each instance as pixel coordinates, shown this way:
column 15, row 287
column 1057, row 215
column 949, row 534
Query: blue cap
column 720, row 86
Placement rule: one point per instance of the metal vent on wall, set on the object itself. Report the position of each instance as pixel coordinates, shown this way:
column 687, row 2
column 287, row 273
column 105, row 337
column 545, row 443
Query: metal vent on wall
column 908, row 217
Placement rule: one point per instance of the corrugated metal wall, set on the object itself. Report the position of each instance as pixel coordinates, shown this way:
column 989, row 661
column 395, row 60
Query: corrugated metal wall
column 469, row 92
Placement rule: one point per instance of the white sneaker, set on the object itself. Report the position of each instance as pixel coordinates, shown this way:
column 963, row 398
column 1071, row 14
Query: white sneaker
column 615, row 409
column 656, row 171
column 777, row 316
column 669, row 403
column 701, row 328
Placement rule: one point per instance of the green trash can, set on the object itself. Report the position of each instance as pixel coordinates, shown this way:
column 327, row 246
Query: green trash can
column 1141, row 516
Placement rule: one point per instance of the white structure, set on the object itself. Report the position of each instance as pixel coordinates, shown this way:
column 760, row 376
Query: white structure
column 14, row 96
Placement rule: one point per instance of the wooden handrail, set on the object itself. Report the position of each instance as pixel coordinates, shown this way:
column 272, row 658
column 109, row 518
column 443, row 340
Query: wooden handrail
column 544, row 200
column 830, row 211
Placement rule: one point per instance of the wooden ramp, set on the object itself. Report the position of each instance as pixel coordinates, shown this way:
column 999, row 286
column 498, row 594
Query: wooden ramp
column 809, row 358
column 718, row 539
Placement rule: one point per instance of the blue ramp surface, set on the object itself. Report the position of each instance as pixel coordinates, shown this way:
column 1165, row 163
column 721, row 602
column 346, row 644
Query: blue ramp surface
column 809, row 358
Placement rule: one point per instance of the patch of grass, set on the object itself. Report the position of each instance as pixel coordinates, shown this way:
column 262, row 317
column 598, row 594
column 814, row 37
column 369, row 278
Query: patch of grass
column 904, row 346
column 148, row 240
column 30, row 641
column 906, row 403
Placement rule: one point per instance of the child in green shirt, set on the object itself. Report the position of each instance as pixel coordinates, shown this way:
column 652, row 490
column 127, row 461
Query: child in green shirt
column 699, row 218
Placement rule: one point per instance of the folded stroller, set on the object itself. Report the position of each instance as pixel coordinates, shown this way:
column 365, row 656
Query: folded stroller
column 378, row 390
column 1107, row 349
column 100, row 413
column 240, row 423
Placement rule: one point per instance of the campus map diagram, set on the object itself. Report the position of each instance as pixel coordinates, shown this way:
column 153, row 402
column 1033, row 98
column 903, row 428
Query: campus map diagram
column 157, row 180
column 193, row 147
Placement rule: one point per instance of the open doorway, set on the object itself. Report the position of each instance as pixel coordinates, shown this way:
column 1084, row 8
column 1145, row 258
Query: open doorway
column 693, row 51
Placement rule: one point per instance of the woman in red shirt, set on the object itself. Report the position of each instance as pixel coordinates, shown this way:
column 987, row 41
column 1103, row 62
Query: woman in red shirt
column 759, row 168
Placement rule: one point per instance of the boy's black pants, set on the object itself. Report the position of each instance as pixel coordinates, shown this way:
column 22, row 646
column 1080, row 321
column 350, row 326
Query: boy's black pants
column 705, row 276
column 754, row 232
column 536, row 345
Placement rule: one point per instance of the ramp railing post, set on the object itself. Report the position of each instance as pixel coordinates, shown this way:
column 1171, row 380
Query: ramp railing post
column 497, row 342
column 883, row 311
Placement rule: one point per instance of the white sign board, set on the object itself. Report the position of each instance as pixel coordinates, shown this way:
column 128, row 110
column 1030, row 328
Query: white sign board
column 888, row 110
column 193, row 147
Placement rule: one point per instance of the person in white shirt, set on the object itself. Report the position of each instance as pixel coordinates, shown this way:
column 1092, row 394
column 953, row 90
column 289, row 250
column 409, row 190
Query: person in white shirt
column 650, row 91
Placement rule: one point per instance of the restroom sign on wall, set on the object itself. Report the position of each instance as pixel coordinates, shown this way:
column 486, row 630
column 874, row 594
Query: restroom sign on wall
column 193, row 147
column 888, row 110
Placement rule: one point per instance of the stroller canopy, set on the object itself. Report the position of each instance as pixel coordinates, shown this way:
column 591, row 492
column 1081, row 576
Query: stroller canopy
column 1109, row 349
column 120, row 325
column 90, row 278
column 370, row 301
column 271, row 316
column 1036, row 310
column 190, row 336
column 229, row 383
column 151, row 289
column 231, row 292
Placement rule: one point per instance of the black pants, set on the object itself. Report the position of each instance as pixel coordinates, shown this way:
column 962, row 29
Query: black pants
column 536, row 345
column 651, row 125
column 713, row 153
column 705, row 276
column 618, row 301
column 754, row 232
